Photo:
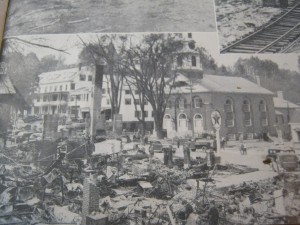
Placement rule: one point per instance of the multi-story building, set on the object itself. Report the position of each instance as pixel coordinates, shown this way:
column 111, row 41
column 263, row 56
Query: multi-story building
column 246, row 108
column 66, row 92
column 69, row 92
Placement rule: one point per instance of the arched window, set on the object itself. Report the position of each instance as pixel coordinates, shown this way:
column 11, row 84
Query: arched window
column 263, row 113
column 247, row 113
column 182, row 116
column 197, row 102
column 167, row 117
column 182, row 121
column 167, row 122
column 229, row 113
column 198, row 124
column 198, row 117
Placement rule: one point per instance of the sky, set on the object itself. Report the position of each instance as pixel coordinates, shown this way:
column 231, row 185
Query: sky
column 72, row 44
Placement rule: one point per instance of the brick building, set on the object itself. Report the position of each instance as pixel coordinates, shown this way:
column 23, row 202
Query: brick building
column 284, row 111
column 246, row 108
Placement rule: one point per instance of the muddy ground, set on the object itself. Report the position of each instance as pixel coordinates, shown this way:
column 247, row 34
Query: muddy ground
column 55, row 16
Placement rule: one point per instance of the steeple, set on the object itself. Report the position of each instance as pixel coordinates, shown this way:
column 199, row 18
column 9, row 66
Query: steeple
column 187, row 60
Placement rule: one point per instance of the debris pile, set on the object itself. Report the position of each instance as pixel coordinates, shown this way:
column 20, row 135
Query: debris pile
column 121, row 188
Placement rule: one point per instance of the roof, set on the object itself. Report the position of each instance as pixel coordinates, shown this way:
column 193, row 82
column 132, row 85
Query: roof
column 63, row 75
column 282, row 103
column 6, row 86
column 222, row 84
column 278, row 112
column 295, row 118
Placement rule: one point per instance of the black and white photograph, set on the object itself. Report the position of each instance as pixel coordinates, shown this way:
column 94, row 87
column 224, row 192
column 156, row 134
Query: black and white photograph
column 68, row 16
column 147, row 128
column 258, row 26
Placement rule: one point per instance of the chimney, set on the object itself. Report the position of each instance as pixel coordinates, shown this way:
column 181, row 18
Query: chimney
column 258, row 80
column 280, row 94
column 90, row 201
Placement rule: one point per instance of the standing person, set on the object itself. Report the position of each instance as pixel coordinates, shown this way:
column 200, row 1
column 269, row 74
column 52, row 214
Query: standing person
column 214, row 144
column 166, row 156
column 187, row 156
column 211, row 159
column 245, row 149
column 242, row 148
column 223, row 141
column 178, row 143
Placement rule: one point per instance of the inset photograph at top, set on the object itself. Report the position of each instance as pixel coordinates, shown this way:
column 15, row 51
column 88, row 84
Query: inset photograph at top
column 258, row 26
column 67, row 16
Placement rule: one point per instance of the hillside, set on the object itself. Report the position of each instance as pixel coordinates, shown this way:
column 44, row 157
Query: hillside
column 67, row 16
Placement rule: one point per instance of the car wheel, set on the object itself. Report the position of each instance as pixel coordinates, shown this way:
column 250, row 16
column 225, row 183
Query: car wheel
column 204, row 148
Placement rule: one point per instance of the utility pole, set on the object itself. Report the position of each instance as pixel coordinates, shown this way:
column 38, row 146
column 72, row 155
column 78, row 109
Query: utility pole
column 191, row 113
column 97, row 99
column 175, row 118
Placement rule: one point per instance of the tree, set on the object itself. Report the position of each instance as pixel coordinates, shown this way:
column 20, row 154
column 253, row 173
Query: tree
column 139, row 102
column 150, row 65
column 23, row 71
column 51, row 63
column 208, row 63
column 249, row 68
column 107, row 50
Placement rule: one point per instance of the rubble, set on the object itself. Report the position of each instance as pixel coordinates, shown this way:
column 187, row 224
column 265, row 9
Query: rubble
column 236, row 19
column 140, row 189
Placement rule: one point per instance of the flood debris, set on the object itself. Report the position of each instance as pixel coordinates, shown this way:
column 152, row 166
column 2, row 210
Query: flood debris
column 123, row 188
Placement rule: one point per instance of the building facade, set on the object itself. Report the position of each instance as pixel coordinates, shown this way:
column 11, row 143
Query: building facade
column 284, row 111
column 295, row 128
column 65, row 92
column 246, row 109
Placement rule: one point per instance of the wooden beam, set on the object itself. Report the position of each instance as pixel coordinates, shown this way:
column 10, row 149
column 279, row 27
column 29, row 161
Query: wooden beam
column 3, row 10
